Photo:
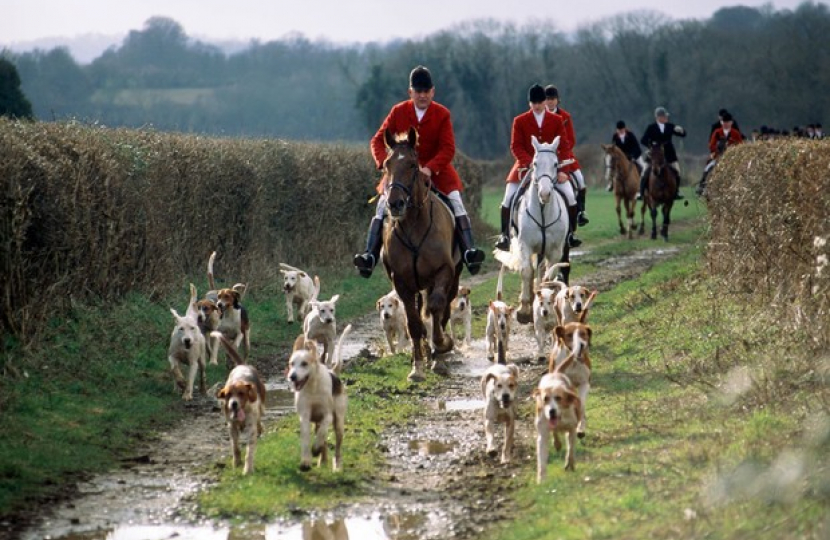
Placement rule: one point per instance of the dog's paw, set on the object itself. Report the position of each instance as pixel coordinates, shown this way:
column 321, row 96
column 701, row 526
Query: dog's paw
column 580, row 434
column 492, row 452
column 305, row 467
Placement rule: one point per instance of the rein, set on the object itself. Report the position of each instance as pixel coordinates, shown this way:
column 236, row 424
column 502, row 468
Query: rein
column 543, row 226
column 402, row 235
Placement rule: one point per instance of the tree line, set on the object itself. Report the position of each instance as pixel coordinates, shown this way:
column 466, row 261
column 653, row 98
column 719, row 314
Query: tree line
column 764, row 66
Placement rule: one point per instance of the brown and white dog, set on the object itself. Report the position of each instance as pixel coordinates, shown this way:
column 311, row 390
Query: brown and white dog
column 206, row 313
column 497, row 330
column 572, row 303
column 499, row 386
column 545, row 318
column 461, row 312
column 299, row 291
column 558, row 410
column 319, row 398
column 393, row 321
column 233, row 317
column 320, row 325
column 187, row 347
column 243, row 404
column 574, row 339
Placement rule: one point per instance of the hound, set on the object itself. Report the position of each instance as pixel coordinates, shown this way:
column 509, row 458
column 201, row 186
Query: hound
column 499, row 386
column 243, row 404
column 320, row 325
column 461, row 311
column 558, row 410
column 187, row 346
column 393, row 320
column 498, row 324
column 572, row 303
column 299, row 290
column 233, row 317
column 574, row 339
column 544, row 317
column 319, row 398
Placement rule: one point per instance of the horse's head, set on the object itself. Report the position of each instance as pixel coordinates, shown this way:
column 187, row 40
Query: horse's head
column 404, row 189
column 545, row 167
column 658, row 158
column 613, row 154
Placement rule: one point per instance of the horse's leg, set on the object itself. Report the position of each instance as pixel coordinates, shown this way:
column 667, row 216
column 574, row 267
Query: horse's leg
column 666, row 221
column 619, row 212
column 566, row 258
column 653, row 211
column 416, row 333
column 525, row 313
column 642, row 230
column 438, row 304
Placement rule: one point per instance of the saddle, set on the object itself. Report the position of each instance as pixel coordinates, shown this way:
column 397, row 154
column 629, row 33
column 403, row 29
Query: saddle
column 517, row 199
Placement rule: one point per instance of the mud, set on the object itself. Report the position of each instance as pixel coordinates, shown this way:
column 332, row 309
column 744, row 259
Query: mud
column 438, row 483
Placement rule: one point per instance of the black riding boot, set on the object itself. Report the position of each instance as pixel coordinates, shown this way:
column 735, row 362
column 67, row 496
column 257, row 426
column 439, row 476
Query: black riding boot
column 573, row 241
column 643, row 183
column 365, row 262
column 582, row 216
column 503, row 242
column 473, row 257
column 678, row 196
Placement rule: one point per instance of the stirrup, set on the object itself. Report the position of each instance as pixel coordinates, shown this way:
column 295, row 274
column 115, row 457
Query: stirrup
column 473, row 258
column 365, row 264
column 639, row 197
column 582, row 219
column 503, row 242
column 610, row 186
column 573, row 241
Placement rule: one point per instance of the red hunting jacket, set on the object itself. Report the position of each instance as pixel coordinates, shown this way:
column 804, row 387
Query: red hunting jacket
column 521, row 146
column 436, row 142
column 569, row 129
column 735, row 137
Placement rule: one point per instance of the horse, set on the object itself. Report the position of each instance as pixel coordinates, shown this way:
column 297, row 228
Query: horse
column 662, row 186
column 419, row 249
column 626, row 180
column 542, row 217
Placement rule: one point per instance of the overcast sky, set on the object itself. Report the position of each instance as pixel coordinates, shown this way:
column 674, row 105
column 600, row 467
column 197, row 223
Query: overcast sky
column 334, row 20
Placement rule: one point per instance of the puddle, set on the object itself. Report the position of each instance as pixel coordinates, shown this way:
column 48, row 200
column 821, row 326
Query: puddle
column 461, row 405
column 378, row 526
column 279, row 399
column 430, row 448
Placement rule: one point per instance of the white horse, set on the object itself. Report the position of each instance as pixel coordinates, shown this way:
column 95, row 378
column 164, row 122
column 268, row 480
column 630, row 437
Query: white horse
column 542, row 218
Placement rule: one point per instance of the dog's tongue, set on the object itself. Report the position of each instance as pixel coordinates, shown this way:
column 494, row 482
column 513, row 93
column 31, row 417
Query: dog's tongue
column 240, row 415
column 552, row 422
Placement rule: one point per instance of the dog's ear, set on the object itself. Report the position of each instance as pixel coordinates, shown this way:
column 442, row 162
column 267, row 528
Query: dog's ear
column 303, row 275
column 334, row 298
column 299, row 342
column 539, row 294
column 559, row 332
column 251, row 392
column 283, row 272
column 236, row 298
column 491, row 306
column 590, row 332
column 536, row 392
column 175, row 314
column 514, row 369
column 222, row 393
column 377, row 304
column 485, row 381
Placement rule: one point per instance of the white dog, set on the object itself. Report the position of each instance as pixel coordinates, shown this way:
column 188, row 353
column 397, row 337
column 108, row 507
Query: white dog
column 558, row 411
column 320, row 398
column 499, row 385
column 320, row 325
column 299, row 291
column 243, row 404
column 461, row 311
column 574, row 340
column 187, row 346
column 572, row 303
column 393, row 321
column 544, row 318
column 498, row 324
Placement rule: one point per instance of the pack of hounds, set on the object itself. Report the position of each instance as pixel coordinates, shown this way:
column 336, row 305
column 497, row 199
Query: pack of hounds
column 220, row 320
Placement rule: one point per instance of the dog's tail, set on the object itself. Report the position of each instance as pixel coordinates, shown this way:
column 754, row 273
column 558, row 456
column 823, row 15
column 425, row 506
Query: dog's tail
column 210, row 271
column 241, row 288
column 584, row 313
column 232, row 352
column 316, row 292
column 561, row 368
column 289, row 268
column 192, row 311
column 337, row 363
column 499, row 286
column 550, row 273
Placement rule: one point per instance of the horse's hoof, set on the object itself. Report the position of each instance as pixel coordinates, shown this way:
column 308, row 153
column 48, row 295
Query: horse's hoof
column 415, row 377
column 524, row 318
column 445, row 347
column 440, row 368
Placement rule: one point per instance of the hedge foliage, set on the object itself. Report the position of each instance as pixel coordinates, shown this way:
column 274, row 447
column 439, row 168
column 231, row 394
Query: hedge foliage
column 90, row 213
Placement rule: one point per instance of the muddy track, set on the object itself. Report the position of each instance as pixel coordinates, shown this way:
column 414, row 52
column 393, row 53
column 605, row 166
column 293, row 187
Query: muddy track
column 438, row 483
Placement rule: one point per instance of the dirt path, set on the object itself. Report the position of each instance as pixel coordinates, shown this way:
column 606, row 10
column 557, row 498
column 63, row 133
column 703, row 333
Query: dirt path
column 440, row 483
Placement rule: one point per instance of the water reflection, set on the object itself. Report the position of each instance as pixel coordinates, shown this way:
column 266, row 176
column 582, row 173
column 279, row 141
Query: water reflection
column 393, row 526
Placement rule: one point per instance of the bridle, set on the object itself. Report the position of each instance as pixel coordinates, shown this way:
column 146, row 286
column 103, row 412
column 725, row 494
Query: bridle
column 408, row 201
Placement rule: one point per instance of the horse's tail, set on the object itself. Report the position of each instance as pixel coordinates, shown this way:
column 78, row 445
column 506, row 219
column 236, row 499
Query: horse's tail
column 511, row 259
column 337, row 363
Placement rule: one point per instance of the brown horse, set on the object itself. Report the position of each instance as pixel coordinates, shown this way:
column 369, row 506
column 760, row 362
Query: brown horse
column 662, row 187
column 623, row 173
column 418, row 249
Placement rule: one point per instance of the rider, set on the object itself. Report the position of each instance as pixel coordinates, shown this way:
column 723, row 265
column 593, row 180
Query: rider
column 719, row 123
column 661, row 132
column 436, row 148
column 552, row 102
column 626, row 140
column 546, row 126
column 722, row 138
